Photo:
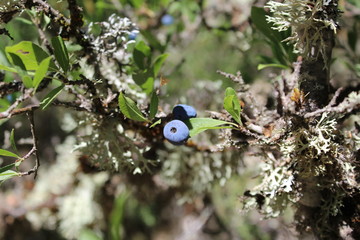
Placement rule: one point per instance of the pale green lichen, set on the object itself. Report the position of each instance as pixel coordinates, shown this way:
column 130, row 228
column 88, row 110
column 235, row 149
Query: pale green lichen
column 78, row 209
column 108, row 146
column 307, row 20
column 277, row 185
column 197, row 172
column 75, row 193
column 312, row 148
column 313, row 160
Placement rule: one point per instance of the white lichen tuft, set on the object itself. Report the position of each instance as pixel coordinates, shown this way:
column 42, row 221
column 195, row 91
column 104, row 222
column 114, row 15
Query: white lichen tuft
column 110, row 147
column 198, row 172
column 313, row 160
column 307, row 20
column 52, row 181
column 109, row 36
column 78, row 209
column 62, row 187
column 278, row 186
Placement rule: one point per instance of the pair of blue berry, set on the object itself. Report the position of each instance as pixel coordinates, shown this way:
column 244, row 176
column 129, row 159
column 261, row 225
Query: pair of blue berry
column 176, row 130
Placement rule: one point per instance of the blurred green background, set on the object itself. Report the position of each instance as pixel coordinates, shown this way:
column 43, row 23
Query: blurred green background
column 201, row 37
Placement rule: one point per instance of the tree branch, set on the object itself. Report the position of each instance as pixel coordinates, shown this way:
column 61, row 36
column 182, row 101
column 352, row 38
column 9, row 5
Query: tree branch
column 34, row 170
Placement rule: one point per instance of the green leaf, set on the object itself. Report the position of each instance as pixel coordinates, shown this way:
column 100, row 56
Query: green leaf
column 61, row 53
column 4, row 104
column 145, row 79
column 16, row 60
column 230, row 107
column 7, row 175
column 7, row 167
column 23, row 20
column 231, row 92
column 8, row 154
column 26, row 79
column 9, row 69
column 258, row 18
column 262, row 66
column 50, row 97
column 152, row 40
column 140, row 54
column 12, row 140
column 154, row 102
column 117, row 216
column 232, row 104
column 159, row 61
column 41, row 72
column 155, row 123
column 282, row 51
column 198, row 125
column 129, row 109
column 88, row 234
column 30, row 54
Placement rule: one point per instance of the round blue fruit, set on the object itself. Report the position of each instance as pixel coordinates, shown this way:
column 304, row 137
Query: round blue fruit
column 176, row 132
column 184, row 112
column 167, row 19
column 132, row 35
column 10, row 98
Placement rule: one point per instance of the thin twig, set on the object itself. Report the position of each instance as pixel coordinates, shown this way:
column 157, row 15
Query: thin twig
column 27, row 109
column 327, row 108
column 34, row 170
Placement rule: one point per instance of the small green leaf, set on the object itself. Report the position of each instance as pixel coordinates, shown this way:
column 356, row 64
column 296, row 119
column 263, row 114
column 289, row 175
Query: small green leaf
column 258, row 18
column 26, row 79
column 61, row 53
column 282, row 51
column 50, row 97
column 117, row 216
column 88, row 234
column 155, row 123
column 198, row 125
column 230, row 107
column 16, row 61
column 41, row 72
column 159, row 61
column 154, row 102
column 262, row 66
column 129, row 109
column 230, row 92
column 152, row 40
column 9, row 69
column 232, row 104
column 12, row 140
column 141, row 54
column 30, row 54
column 7, row 175
column 145, row 79
column 4, row 104
column 7, row 167
column 23, row 20
column 8, row 154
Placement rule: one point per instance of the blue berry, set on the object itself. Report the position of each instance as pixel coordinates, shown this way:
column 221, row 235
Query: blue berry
column 10, row 98
column 176, row 132
column 167, row 19
column 184, row 112
column 132, row 35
